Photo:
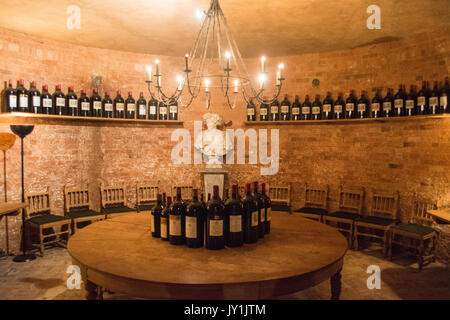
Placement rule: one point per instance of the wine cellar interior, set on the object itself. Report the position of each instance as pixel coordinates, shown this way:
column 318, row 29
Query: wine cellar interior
column 346, row 194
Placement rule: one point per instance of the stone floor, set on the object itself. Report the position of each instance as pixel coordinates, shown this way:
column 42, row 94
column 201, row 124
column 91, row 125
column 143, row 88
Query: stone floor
column 45, row 278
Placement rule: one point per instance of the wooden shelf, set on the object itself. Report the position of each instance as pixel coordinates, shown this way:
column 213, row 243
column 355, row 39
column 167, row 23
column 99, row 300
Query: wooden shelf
column 46, row 119
column 347, row 121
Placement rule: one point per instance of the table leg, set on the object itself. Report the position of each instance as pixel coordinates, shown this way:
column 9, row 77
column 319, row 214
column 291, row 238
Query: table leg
column 91, row 291
column 336, row 285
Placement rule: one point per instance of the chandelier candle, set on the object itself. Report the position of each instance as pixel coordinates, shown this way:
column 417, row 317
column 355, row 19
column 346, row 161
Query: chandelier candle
column 177, row 221
column 215, row 227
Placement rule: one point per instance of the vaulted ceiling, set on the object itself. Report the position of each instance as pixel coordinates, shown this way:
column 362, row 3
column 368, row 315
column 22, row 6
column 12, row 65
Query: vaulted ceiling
column 271, row 27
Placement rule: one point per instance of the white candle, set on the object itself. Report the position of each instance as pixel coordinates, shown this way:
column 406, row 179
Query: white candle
column 180, row 83
column 262, row 78
column 236, row 86
column 157, row 67
column 207, row 85
column 149, row 73
column 281, row 67
column 187, row 61
column 278, row 77
column 228, row 56
column 263, row 64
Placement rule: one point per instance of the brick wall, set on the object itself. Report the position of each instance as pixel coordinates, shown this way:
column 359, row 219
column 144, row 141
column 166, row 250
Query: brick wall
column 409, row 156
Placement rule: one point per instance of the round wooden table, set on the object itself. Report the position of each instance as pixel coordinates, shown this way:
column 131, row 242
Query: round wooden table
column 119, row 254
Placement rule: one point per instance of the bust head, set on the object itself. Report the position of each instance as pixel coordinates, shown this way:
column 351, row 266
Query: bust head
column 212, row 120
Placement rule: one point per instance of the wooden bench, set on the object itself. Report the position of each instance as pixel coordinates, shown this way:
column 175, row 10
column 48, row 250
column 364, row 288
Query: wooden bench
column 315, row 202
column 113, row 200
column 146, row 197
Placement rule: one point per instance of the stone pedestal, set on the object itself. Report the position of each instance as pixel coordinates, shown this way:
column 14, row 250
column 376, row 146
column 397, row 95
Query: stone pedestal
column 212, row 177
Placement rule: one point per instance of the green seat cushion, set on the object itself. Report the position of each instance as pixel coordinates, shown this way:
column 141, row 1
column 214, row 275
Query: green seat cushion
column 119, row 209
column 146, row 207
column 47, row 218
column 83, row 213
column 414, row 228
column 318, row 211
column 376, row 220
column 344, row 215
column 280, row 207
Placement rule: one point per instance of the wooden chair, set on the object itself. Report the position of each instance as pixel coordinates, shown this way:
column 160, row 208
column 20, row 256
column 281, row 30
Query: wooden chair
column 383, row 211
column 145, row 197
column 414, row 235
column 77, row 206
column 186, row 192
column 350, row 208
column 39, row 217
column 114, row 201
column 280, row 197
column 315, row 203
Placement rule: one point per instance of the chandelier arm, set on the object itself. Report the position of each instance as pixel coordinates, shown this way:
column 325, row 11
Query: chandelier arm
column 149, row 84
column 168, row 98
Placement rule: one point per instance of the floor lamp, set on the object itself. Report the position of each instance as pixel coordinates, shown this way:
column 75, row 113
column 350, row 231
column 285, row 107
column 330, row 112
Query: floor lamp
column 22, row 131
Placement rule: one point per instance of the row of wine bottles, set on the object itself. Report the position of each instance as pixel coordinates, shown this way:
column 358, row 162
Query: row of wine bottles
column 403, row 103
column 22, row 100
column 216, row 223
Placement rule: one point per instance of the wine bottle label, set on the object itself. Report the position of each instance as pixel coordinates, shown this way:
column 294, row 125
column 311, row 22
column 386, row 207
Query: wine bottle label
column 263, row 216
column 97, row 105
column 375, row 106
column 36, row 101
column 350, row 107
column 254, row 218
column 131, row 107
column 306, row 110
column 251, row 111
column 175, row 225
column 338, row 108
column 60, row 102
column 361, row 107
column 263, row 112
column 163, row 227
column 295, row 111
column 191, row 227
column 108, row 107
column 398, row 103
column 274, row 109
column 434, row 101
column 235, row 223
column 387, row 106
column 315, row 110
column 13, row 101
column 326, row 108
column 142, row 109
column 284, row 109
column 120, row 106
column 23, row 101
column 163, row 110
column 173, row 109
column 215, row 228
column 73, row 103
column 152, row 223
column 85, row 106
column 443, row 101
column 421, row 101
column 47, row 103
column 269, row 214
column 152, row 109
column 409, row 104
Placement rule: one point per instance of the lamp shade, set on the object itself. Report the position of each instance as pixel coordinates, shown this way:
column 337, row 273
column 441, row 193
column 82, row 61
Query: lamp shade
column 22, row 130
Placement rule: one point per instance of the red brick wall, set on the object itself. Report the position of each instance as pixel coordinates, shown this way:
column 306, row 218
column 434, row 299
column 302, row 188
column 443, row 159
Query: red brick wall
column 411, row 156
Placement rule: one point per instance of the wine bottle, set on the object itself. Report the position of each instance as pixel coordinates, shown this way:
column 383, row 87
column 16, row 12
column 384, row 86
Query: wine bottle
column 162, row 110
column 339, row 107
column 152, row 109
column 275, row 110
column 215, row 227
column 350, row 104
column 376, row 104
column 130, row 106
column 296, row 106
column 177, row 221
column 59, row 102
column 141, row 107
column 22, row 97
column 233, row 219
column 96, row 104
column 84, row 105
column 433, row 104
column 108, row 108
column 173, row 109
column 119, row 106
column 327, row 107
column 250, row 221
column 202, row 200
column 71, row 103
column 164, row 199
column 195, row 222
column 388, row 104
column 264, row 111
column 443, row 97
column 267, row 208
column 165, row 214
column 411, row 102
column 316, row 109
column 362, row 110
column 251, row 111
column 422, row 100
column 46, row 101
column 226, row 196
column 10, row 98
column 399, row 102
column 285, row 112
column 34, row 99
column 306, row 109
column 260, row 207
column 156, row 218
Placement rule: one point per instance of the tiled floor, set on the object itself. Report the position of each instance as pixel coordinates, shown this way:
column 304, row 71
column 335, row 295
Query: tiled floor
column 45, row 278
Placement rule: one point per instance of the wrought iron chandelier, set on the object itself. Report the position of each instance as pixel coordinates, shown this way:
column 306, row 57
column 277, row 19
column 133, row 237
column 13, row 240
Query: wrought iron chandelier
column 215, row 62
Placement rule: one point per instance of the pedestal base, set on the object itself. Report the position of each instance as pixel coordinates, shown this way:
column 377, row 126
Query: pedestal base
column 213, row 177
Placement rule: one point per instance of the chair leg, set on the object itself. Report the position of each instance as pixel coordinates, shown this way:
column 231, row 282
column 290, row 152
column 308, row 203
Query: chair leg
column 391, row 237
column 41, row 240
column 385, row 243
column 356, row 243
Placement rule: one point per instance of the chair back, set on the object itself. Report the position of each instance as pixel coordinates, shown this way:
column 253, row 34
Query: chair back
column 280, row 194
column 38, row 203
column 351, row 199
column 186, row 192
column 146, row 193
column 316, row 196
column 113, row 196
column 76, row 198
column 384, row 205
column 420, row 215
